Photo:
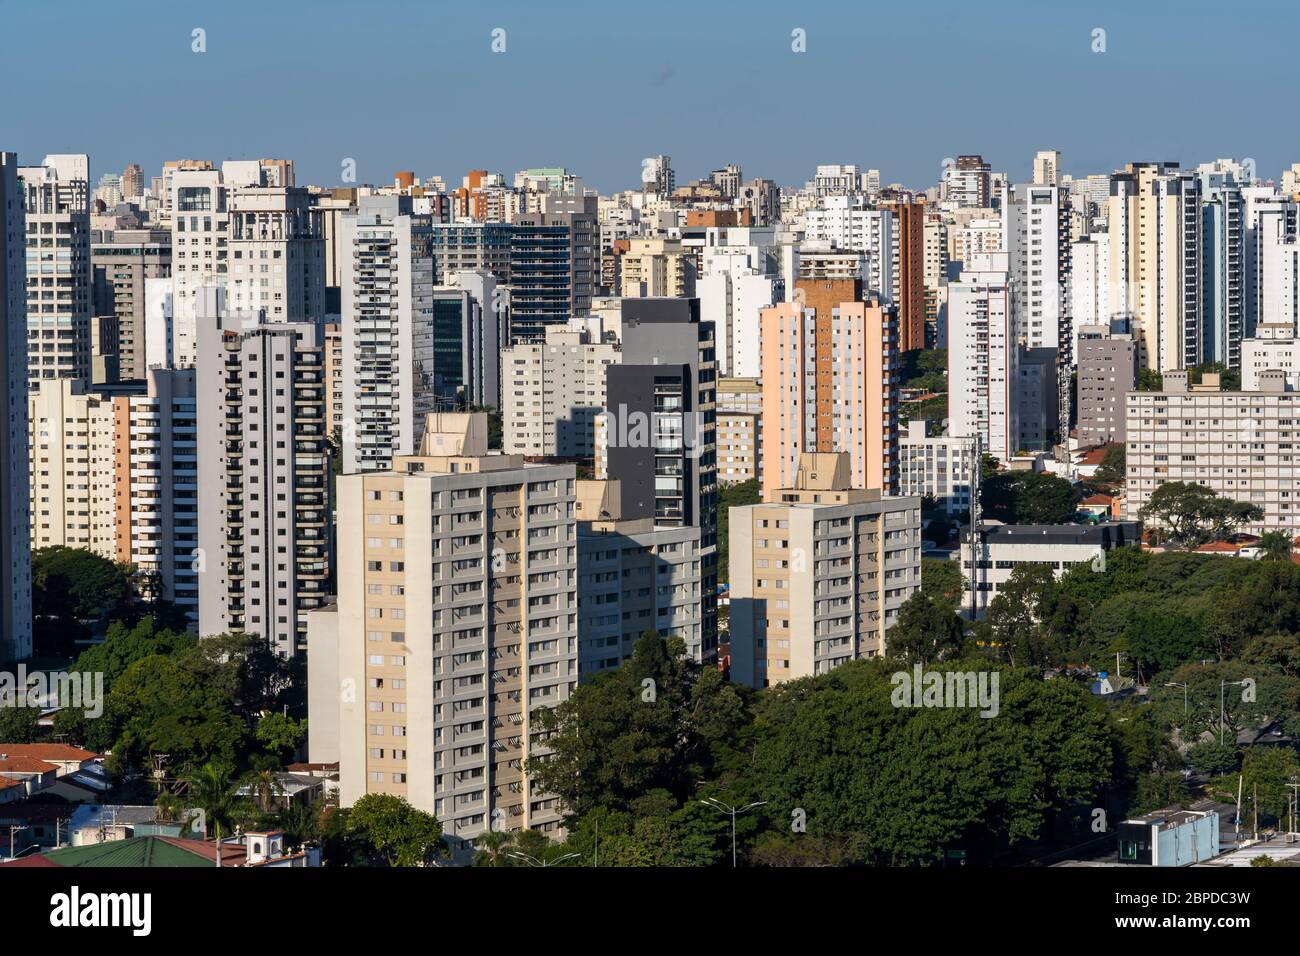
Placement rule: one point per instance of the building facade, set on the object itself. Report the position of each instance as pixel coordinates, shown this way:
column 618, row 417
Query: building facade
column 818, row 573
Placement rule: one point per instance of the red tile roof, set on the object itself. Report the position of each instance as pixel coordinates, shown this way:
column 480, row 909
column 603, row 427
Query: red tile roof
column 230, row 855
column 63, row 752
column 12, row 764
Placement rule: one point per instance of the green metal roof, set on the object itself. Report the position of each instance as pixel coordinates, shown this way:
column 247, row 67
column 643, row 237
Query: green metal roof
column 145, row 851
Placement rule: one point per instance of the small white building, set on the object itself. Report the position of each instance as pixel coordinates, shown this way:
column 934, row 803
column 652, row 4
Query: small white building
column 1001, row 548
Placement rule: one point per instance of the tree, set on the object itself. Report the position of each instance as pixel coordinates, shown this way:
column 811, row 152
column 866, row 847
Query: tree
column 1026, row 497
column 300, row 823
column 1015, row 618
column 942, row 581
column 1212, row 757
column 1276, row 545
column 281, row 735
column 396, row 832
column 1149, row 380
column 901, row 785
column 1191, row 515
column 1112, row 469
column 18, row 725
column 77, row 583
column 650, row 724
column 927, row 630
column 491, row 847
column 213, row 790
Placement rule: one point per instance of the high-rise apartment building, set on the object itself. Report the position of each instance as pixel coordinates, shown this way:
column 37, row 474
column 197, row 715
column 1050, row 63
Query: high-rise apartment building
column 388, row 348
column 1047, row 167
column 738, row 279
column 830, row 384
column 554, row 391
column 276, row 253
column 656, row 267
column 470, row 246
column 1107, row 373
column 967, row 182
column 470, row 327
column 1275, row 347
column 114, row 470
column 908, row 267
column 740, row 430
column 264, row 474
column 984, row 357
column 634, row 578
column 199, row 223
column 123, row 262
column 554, row 265
column 457, row 618
column 59, row 275
column 847, row 223
column 132, row 182
column 818, row 573
column 658, row 436
column 1146, row 227
column 15, row 543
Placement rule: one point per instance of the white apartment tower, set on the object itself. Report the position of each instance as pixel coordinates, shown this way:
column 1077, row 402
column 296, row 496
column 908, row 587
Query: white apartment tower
column 388, row 332
column 983, row 357
column 845, row 222
column 276, row 254
column 199, row 223
column 60, row 277
column 1036, row 239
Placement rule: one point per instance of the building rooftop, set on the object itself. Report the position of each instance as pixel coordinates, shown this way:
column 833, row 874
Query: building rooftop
column 1107, row 533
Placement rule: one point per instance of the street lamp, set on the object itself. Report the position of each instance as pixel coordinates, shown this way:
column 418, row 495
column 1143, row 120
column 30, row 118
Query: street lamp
column 533, row 861
column 724, row 808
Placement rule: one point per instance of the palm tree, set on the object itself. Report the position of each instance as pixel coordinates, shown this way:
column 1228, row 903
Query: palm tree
column 264, row 788
column 492, row 848
column 169, row 806
column 300, row 823
column 214, row 791
column 1276, row 545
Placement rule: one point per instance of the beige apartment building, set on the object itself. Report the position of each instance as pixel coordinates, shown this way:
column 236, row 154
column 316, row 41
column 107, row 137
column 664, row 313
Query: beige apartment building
column 740, row 429
column 71, row 453
column 1144, row 216
column 114, row 470
column 819, row 571
column 1240, row 444
column 456, row 619
column 738, row 452
column 656, row 267
column 830, row 384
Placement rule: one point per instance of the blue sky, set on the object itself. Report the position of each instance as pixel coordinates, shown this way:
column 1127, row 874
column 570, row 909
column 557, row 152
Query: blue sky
column 597, row 86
